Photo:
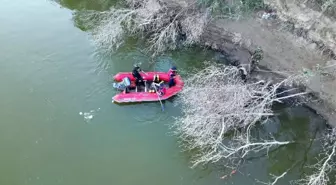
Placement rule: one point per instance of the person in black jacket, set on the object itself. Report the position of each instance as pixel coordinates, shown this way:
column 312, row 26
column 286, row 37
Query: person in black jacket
column 136, row 74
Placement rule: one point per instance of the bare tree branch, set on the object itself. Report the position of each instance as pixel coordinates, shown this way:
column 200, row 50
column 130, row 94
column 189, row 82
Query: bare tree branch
column 217, row 103
column 324, row 166
column 276, row 178
column 164, row 24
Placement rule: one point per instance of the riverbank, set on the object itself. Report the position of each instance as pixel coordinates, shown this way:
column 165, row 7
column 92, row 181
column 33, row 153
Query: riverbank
column 168, row 23
column 285, row 55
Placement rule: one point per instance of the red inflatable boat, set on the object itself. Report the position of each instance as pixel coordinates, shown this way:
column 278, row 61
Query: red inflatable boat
column 144, row 95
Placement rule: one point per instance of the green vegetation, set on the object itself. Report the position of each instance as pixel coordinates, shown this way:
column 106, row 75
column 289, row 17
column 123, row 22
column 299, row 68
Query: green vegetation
column 232, row 9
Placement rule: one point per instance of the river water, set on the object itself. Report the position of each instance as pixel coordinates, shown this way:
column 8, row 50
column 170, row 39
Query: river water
column 58, row 125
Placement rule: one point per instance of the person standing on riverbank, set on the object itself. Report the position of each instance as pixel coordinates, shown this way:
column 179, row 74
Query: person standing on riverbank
column 256, row 57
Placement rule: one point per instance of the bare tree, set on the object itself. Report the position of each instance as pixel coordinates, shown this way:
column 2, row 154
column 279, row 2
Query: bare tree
column 220, row 112
column 164, row 24
column 325, row 166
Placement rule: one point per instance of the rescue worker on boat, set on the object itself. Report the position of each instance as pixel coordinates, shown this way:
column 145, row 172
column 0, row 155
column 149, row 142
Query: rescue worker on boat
column 171, row 81
column 171, row 74
column 136, row 74
column 172, row 70
column 156, row 78
column 159, row 88
column 156, row 83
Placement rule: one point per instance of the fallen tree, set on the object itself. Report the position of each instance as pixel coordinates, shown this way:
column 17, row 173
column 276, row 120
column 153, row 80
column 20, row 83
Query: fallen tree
column 220, row 112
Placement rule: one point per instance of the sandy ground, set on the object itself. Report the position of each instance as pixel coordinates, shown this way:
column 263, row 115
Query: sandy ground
column 284, row 53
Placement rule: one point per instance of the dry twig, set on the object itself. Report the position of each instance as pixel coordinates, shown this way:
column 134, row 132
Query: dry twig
column 324, row 166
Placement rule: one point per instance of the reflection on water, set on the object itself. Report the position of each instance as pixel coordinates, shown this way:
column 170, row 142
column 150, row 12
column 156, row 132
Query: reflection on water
column 296, row 124
column 99, row 5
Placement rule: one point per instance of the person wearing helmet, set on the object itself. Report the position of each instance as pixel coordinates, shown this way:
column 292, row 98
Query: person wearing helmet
column 136, row 74
column 172, row 70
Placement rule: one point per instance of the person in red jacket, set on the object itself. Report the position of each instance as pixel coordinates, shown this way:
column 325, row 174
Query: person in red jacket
column 172, row 70
column 171, row 81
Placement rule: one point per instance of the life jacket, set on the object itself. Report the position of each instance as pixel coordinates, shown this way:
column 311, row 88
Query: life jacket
column 170, row 72
column 171, row 81
column 136, row 73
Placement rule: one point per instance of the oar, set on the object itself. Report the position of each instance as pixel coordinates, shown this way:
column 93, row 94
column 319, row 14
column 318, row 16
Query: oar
column 144, row 72
column 162, row 107
column 145, row 85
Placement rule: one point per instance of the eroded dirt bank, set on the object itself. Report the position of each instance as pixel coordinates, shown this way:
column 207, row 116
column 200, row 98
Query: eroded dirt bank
column 285, row 54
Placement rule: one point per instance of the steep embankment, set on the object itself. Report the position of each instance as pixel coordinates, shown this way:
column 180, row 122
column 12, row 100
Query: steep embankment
column 287, row 51
column 313, row 20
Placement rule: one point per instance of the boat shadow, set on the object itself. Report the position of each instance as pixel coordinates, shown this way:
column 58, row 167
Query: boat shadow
column 169, row 100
